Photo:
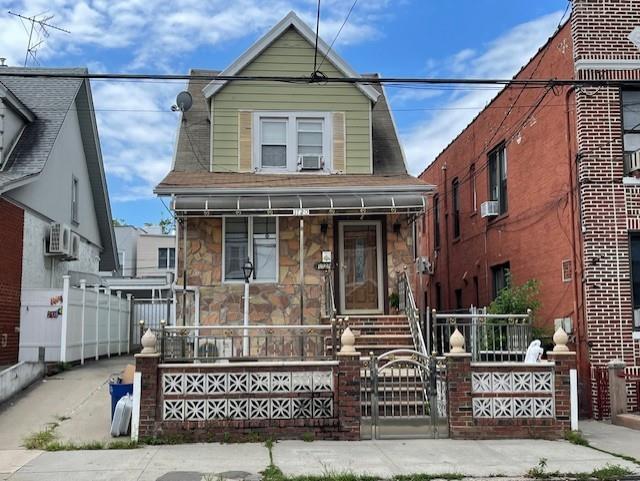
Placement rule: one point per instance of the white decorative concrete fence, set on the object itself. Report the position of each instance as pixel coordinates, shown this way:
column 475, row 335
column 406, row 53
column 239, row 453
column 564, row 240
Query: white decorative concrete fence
column 73, row 323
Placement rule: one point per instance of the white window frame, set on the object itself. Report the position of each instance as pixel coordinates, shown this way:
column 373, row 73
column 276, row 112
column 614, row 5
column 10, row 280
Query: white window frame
column 168, row 263
column 292, row 140
column 250, row 251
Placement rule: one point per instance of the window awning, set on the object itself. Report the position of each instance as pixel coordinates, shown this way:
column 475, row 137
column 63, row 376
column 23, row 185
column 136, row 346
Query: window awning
column 296, row 205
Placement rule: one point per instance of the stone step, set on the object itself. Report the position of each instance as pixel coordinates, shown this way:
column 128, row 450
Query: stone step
column 380, row 329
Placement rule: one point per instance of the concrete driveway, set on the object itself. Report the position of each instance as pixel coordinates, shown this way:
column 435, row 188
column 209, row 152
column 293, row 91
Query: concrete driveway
column 80, row 394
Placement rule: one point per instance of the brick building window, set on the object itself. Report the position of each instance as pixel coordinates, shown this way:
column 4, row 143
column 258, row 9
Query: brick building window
column 455, row 201
column 635, row 277
column 436, row 222
column 458, row 293
column 500, row 275
column 472, row 189
column 631, row 126
column 498, row 177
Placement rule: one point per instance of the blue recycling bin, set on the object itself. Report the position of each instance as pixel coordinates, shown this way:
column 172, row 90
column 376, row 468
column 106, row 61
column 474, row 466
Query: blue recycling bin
column 117, row 391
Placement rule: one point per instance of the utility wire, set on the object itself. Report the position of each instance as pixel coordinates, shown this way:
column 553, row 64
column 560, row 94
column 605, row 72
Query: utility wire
column 338, row 33
column 315, row 50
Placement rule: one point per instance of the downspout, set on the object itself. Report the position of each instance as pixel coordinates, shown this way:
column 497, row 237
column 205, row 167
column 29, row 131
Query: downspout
column 2, row 113
column 574, row 193
column 446, row 235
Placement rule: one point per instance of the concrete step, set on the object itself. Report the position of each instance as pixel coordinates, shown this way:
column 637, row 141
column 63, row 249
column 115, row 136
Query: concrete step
column 363, row 329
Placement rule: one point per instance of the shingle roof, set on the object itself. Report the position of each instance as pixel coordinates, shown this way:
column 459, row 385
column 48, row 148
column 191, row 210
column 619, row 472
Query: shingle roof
column 227, row 181
column 49, row 99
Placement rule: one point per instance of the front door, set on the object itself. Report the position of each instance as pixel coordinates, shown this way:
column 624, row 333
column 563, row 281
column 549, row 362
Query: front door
column 360, row 251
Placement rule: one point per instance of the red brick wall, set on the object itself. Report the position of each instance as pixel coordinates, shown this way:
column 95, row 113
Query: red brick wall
column 343, row 424
column 600, row 33
column 535, row 235
column 11, row 232
column 465, row 424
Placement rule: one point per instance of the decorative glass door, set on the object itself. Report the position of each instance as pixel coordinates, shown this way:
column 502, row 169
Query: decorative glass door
column 360, row 267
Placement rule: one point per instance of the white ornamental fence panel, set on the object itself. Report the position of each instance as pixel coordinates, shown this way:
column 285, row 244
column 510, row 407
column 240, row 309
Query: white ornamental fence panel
column 73, row 323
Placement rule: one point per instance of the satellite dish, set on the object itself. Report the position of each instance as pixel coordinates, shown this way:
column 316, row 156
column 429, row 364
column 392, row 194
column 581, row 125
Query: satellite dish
column 184, row 101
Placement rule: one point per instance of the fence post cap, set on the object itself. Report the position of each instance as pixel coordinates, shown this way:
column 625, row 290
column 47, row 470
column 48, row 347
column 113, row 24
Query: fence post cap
column 347, row 343
column 616, row 364
column 560, row 339
column 148, row 342
column 456, row 342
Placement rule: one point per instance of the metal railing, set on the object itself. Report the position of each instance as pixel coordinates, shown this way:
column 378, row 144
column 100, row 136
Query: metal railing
column 240, row 343
column 407, row 304
column 489, row 337
column 329, row 296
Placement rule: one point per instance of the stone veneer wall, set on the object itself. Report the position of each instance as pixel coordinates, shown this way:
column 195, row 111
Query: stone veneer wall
column 276, row 303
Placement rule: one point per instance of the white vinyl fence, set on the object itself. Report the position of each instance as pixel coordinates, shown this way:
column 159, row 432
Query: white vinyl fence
column 73, row 323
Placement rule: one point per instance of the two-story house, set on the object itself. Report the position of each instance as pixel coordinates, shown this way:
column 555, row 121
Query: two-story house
column 296, row 177
column 55, row 217
column 543, row 184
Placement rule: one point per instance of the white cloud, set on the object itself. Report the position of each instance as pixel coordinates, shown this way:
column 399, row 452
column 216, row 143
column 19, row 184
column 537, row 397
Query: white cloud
column 501, row 58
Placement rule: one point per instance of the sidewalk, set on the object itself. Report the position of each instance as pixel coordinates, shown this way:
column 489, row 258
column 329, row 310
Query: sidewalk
column 381, row 458
column 615, row 439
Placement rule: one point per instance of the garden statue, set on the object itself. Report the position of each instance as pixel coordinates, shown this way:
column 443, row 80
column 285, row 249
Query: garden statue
column 534, row 352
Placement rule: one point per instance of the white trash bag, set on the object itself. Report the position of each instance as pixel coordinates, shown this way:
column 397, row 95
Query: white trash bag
column 122, row 416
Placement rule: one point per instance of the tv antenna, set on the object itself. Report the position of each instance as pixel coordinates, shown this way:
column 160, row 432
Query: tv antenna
column 38, row 32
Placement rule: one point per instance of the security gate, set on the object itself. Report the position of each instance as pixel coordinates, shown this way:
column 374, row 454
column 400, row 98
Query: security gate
column 403, row 395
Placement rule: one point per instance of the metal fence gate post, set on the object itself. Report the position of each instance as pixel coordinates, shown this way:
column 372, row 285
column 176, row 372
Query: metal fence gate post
column 374, row 395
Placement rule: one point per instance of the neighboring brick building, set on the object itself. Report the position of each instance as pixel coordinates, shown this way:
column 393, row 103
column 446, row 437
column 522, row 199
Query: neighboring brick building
column 569, row 211
column 11, row 229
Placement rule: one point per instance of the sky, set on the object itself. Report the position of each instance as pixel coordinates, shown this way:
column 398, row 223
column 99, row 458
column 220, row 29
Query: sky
column 412, row 38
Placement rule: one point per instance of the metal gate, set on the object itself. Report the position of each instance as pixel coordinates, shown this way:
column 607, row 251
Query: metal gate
column 403, row 395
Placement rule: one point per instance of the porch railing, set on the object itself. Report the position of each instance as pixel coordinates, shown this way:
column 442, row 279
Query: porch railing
column 329, row 296
column 240, row 343
column 407, row 304
column 489, row 337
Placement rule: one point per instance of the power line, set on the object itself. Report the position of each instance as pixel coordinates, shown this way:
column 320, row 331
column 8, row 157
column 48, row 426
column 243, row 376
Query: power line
column 338, row 33
column 315, row 49
column 526, row 83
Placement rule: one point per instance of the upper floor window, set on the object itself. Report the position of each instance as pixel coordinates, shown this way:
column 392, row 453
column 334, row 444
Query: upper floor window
column 74, row 200
column 292, row 141
column 436, row 222
column 631, row 128
column 472, row 190
column 455, row 197
column 166, row 257
column 498, row 177
column 254, row 238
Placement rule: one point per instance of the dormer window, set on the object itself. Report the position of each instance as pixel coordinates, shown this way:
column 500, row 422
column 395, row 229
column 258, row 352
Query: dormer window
column 292, row 142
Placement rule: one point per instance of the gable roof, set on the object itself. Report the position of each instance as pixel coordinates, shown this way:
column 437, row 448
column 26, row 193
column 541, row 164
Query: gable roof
column 50, row 99
column 290, row 21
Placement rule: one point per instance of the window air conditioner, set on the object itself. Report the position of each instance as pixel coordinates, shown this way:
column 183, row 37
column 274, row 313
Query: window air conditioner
column 490, row 208
column 59, row 239
column 310, row 162
column 74, row 250
column 634, row 161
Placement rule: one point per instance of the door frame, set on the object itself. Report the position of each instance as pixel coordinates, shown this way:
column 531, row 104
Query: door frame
column 380, row 254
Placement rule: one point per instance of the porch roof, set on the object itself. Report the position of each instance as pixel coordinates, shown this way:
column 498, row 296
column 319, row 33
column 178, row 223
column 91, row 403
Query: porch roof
column 365, row 203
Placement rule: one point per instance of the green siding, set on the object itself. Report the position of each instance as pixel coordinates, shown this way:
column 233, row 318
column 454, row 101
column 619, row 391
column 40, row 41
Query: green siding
column 290, row 55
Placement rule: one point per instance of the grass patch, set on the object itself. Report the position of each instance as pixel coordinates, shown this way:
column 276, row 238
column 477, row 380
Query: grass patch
column 576, row 437
column 539, row 471
column 610, row 472
column 308, row 437
column 426, row 477
column 41, row 439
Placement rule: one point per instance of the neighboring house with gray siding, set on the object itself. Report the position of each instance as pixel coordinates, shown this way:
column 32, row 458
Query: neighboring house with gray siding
column 52, row 177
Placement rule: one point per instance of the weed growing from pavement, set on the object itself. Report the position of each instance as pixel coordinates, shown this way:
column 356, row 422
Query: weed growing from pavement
column 427, row 477
column 610, row 472
column 576, row 437
column 308, row 437
column 47, row 440
column 41, row 439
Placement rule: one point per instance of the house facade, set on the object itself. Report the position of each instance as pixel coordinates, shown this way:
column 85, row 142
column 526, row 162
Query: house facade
column 306, row 180
column 155, row 252
column 542, row 184
column 54, row 205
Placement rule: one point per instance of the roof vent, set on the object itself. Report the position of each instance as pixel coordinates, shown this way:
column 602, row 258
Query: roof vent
column 2, row 62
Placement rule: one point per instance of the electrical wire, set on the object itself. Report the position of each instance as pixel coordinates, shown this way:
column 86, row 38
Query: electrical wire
column 338, row 33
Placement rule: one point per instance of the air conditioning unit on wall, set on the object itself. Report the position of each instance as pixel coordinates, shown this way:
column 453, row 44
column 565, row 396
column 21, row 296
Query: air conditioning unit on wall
column 634, row 161
column 310, row 162
column 490, row 208
column 74, row 249
column 59, row 240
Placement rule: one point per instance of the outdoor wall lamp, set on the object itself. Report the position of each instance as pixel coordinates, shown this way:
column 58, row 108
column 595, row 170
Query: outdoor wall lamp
column 247, row 270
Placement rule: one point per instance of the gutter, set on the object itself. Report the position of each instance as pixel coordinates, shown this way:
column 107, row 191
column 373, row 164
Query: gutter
column 248, row 191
